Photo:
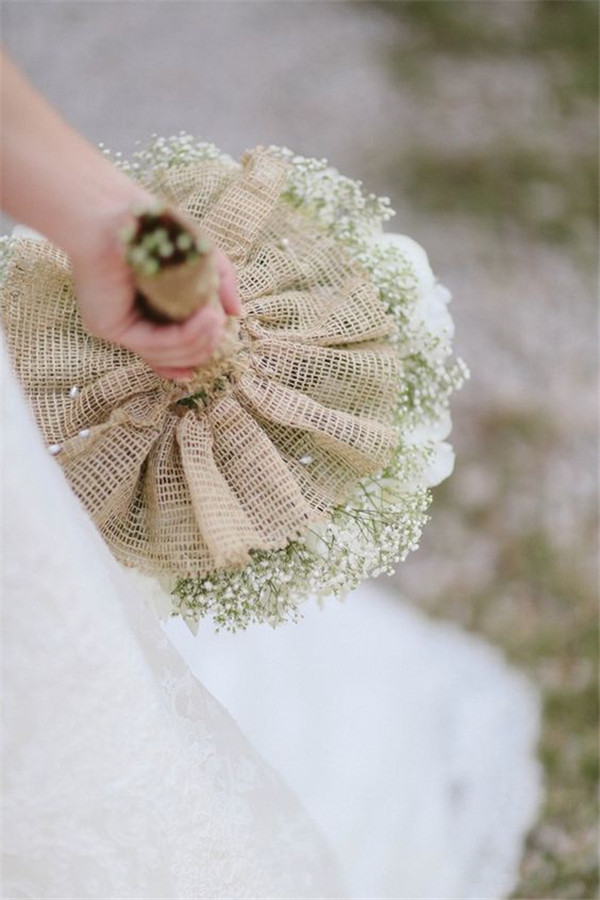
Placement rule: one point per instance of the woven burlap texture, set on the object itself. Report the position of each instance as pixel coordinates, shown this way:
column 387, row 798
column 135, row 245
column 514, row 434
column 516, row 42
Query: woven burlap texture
column 282, row 431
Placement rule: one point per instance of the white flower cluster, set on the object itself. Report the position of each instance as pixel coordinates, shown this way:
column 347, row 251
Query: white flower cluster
column 165, row 152
column 365, row 537
column 335, row 201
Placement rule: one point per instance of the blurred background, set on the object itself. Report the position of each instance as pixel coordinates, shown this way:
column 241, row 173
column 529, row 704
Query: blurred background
column 479, row 119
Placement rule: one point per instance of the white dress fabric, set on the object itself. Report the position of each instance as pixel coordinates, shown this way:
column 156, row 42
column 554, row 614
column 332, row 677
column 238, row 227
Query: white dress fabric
column 406, row 748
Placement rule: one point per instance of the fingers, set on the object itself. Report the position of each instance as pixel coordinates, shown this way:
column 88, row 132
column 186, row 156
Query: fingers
column 186, row 345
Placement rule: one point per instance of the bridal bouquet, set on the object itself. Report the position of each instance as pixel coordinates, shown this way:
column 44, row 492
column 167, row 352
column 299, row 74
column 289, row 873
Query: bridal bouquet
column 300, row 460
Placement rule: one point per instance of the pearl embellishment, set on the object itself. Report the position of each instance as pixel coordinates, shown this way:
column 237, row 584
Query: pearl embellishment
column 284, row 243
column 73, row 392
column 85, row 432
column 306, row 459
column 54, row 449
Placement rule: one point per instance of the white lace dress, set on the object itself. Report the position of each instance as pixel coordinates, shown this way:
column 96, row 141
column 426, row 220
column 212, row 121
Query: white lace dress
column 408, row 747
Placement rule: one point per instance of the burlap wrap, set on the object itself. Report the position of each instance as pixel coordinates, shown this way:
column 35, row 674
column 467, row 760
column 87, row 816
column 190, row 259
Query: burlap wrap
column 285, row 427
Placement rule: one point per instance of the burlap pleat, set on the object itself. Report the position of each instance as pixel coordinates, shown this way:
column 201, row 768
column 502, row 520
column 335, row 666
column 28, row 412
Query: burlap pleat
column 282, row 432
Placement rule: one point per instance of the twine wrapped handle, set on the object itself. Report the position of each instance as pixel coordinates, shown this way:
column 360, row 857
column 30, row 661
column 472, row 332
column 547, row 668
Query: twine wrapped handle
column 172, row 264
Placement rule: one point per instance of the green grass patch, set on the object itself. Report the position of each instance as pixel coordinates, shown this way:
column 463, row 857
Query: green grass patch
column 508, row 186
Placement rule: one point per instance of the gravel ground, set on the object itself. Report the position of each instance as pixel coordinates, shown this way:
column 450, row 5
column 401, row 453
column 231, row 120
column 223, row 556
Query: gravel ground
column 478, row 119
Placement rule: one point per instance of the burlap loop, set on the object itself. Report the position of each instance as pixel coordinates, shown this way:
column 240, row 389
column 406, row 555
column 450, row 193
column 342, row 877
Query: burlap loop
column 268, row 440
column 217, row 510
column 236, row 219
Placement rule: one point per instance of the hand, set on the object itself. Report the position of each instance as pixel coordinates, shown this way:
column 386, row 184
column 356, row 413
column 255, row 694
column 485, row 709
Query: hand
column 106, row 295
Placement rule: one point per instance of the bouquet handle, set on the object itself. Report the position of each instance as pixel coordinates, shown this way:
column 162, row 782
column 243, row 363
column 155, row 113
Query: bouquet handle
column 172, row 264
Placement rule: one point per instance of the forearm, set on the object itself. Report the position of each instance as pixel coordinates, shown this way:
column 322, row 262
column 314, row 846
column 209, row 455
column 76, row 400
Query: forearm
column 52, row 179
